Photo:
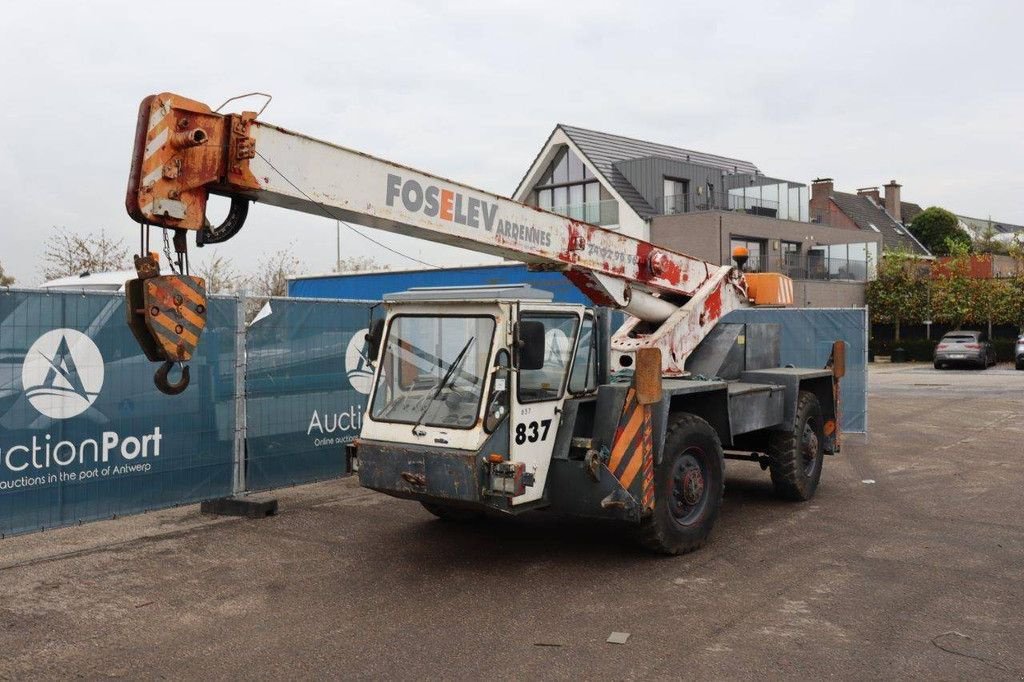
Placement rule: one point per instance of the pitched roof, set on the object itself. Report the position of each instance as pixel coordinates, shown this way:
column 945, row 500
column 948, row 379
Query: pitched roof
column 604, row 151
column 865, row 212
column 980, row 225
column 909, row 211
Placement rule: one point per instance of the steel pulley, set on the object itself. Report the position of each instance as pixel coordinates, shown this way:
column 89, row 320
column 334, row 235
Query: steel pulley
column 167, row 314
column 208, row 234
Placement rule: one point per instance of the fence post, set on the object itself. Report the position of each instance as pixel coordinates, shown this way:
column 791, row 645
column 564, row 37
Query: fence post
column 238, row 470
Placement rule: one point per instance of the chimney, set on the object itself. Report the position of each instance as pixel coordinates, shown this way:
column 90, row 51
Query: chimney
column 821, row 189
column 892, row 201
column 870, row 192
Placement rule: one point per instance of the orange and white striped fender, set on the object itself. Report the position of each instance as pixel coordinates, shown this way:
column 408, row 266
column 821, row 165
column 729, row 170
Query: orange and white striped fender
column 631, row 460
column 182, row 147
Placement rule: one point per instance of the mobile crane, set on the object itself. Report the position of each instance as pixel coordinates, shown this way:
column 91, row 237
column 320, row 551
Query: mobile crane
column 497, row 400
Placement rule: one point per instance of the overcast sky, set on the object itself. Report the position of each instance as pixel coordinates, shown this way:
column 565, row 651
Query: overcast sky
column 928, row 93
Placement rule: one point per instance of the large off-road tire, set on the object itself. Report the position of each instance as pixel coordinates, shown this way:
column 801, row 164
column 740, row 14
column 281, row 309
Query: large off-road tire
column 688, row 486
column 796, row 457
column 453, row 514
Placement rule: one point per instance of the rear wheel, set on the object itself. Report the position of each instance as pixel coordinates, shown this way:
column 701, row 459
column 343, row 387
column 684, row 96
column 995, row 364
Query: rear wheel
column 938, row 365
column 796, row 457
column 452, row 514
column 688, row 485
column 1020, row 364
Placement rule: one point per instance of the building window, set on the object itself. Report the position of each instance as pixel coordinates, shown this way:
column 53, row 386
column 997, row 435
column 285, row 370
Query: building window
column 790, row 252
column 569, row 188
column 675, row 198
column 757, row 251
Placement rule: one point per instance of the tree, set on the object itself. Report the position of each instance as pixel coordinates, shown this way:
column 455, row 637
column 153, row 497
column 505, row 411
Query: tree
column 936, row 228
column 899, row 291
column 67, row 253
column 5, row 279
column 987, row 242
column 957, row 298
column 359, row 264
column 220, row 275
column 270, row 279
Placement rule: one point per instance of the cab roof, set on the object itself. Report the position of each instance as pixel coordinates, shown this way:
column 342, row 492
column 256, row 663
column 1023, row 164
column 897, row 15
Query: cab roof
column 485, row 292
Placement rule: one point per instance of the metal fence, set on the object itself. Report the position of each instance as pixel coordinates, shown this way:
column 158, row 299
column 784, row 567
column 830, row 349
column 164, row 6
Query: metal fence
column 807, row 337
column 83, row 432
column 307, row 376
column 85, row 435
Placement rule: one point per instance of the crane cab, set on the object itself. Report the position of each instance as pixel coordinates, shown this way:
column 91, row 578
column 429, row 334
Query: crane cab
column 469, row 386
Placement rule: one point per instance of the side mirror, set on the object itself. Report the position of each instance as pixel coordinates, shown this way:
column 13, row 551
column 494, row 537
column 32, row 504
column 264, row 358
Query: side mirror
column 529, row 335
column 374, row 337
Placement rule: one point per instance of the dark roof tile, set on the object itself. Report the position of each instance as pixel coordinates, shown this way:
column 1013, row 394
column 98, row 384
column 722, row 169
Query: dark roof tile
column 866, row 213
column 604, row 151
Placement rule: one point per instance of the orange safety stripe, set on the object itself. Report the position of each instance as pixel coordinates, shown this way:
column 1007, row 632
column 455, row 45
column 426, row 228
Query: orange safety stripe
column 625, row 438
column 169, row 324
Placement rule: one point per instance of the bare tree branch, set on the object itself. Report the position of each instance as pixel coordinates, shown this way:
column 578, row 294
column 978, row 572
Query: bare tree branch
column 220, row 275
column 270, row 279
column 5, row 279
column 67, row 253
column 359, row 264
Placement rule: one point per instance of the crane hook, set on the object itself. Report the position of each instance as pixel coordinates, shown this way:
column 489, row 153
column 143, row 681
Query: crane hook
column 160, row 379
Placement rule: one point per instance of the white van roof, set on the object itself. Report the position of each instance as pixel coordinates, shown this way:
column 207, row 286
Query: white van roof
column 92, row 281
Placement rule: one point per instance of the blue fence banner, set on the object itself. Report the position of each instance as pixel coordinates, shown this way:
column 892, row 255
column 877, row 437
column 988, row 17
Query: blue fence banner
column 806, row 341
column 84, row 434
column 307, row 380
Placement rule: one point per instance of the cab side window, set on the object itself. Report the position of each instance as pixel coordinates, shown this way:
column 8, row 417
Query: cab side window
column 584, row 366
column 548, row 382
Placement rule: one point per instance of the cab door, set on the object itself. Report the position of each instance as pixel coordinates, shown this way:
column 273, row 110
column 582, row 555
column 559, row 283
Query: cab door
column 539, row 394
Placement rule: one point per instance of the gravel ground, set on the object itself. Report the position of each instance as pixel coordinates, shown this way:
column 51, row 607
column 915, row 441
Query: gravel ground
column 908, row 563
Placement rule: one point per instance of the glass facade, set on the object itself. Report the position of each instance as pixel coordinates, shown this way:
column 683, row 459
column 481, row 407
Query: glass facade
column 569, row 188
column 756, row 250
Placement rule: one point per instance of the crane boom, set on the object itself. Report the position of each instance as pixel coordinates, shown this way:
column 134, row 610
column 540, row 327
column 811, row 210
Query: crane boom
column 184, row 151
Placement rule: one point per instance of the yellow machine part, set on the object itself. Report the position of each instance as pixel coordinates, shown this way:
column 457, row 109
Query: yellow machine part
column 769, row 288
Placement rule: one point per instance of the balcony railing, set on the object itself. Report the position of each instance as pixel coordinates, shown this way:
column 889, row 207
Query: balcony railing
column 716, row 201
column 595, row 212
column 812, row 266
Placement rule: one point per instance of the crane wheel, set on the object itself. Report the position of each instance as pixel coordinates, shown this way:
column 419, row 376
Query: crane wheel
column 689, row 482
column 796, row 457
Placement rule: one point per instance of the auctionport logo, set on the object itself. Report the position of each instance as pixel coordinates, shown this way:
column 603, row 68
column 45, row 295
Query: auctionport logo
column 358, row 366
column 63, row 373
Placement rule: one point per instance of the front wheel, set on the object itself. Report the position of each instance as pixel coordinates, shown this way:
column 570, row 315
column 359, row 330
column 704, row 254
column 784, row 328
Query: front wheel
column 795, row 457
column 689, row 482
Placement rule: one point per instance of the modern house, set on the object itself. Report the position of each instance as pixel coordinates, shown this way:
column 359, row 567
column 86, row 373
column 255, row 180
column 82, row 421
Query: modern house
column 701, row 204
column 868, row 211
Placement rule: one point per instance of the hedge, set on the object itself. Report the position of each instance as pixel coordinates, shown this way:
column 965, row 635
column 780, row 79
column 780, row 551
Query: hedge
column 923, row 350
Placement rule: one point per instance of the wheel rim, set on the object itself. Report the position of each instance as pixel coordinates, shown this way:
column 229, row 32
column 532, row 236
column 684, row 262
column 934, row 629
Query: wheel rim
column 689, row 486
column 809, row 447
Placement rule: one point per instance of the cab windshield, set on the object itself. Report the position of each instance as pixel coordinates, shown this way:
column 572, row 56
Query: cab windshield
column 433, row 370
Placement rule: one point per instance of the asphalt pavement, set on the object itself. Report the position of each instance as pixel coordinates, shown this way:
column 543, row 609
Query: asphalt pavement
column 909, row 563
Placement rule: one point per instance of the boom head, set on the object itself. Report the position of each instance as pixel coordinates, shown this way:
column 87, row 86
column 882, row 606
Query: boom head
column 183, row 150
